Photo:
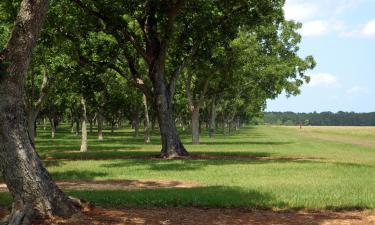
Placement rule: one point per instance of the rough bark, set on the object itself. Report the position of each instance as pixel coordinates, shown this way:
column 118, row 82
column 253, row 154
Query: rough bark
column 34, row 192
column 84, row 126
column 146, row 121
column 171, row 144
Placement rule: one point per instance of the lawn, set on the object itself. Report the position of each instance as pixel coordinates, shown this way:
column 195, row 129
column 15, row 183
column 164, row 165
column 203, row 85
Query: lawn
column 262, row 166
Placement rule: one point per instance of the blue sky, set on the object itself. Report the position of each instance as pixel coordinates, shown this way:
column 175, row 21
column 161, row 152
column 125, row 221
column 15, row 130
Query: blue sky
column 340, row 34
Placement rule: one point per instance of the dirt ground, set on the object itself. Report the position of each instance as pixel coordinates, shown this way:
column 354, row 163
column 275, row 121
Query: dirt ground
column 190, row 215
column 119, row 185
column 199, row 216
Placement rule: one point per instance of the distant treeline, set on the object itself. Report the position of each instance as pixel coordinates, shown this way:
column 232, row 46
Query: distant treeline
column 320, row 119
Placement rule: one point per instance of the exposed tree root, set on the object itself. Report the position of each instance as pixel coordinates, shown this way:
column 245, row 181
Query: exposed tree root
column 26, row 214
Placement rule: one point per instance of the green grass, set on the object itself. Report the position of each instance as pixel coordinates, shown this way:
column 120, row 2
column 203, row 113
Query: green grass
column 331, row 175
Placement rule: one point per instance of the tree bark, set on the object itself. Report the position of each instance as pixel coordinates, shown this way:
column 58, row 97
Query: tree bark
column 34, row 192
column 31, row 117
column 195, row 125
column 146, row 122
column 171, row 144
column 84, row 126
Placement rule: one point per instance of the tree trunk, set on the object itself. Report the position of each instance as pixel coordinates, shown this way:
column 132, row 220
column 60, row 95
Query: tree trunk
column 77, row 127
column 34, row 192
column 31, row 117
column 171, row 143
column 84, row 125
column 195, row 125
column 53, row 127
column 91, row 126
column 146, row 122
column 212, row 132
column 100, row 125
column 44, row 124
column 113, row 127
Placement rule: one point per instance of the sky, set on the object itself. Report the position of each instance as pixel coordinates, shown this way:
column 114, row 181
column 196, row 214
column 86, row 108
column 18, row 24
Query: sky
column 340, row 34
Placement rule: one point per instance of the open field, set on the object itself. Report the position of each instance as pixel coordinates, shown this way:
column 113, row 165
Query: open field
column 258, row 167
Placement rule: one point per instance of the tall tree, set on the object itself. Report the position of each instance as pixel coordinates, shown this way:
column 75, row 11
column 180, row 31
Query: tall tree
column 34, row 192
column 163, row 35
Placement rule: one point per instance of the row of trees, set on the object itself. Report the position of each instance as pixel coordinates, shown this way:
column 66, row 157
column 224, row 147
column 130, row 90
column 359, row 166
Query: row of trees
column 320, row 119
column 163, row 62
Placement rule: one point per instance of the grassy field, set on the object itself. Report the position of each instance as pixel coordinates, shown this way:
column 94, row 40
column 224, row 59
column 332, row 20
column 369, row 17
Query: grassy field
column 282, row 167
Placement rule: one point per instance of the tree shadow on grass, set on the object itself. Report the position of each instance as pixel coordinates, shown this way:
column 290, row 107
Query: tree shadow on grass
column 212, row 196
column 77, row 175
column 197, row 164
column 98, row 155
column 247, row 143
column 92, row 147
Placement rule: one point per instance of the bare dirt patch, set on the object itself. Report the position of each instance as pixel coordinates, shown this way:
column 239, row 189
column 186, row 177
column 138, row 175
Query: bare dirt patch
column 119, row 185
column 198, row 216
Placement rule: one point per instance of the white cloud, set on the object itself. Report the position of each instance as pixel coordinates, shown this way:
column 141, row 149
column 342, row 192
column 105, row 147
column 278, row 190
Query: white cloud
column 323, row 79
column 315, row 28
column 358, row 90
column 345, row 5
column 299, row 10
column 364, row 30
column 369, row 29
column 318, row 28
column 320, row 17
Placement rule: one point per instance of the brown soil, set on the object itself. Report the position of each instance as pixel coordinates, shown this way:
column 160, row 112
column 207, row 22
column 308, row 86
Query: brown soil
column 119, row 185
column 198, row 216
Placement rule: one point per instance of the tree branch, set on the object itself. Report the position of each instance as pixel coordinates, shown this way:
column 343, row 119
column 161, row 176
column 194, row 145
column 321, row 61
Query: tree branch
column 178, row 71
column 115, row 24
column 188, row 91
column 43, row 92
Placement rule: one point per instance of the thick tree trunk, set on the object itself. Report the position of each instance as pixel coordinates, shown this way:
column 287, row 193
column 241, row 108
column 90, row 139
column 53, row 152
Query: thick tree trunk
column 171, row 143
column 34, row 192
column 100, row 125
column 212, row 131
column 84, row 126
column 195, row 125
column 146, row 122
column 31, row 119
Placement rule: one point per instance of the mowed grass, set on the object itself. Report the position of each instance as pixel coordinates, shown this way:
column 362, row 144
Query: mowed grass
column 293, row 168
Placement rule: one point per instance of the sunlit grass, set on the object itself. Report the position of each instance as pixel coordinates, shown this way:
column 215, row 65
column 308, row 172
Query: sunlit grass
column 297, row 171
